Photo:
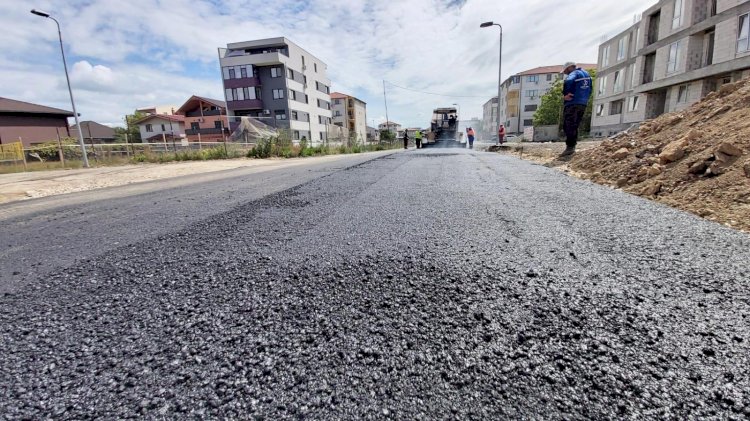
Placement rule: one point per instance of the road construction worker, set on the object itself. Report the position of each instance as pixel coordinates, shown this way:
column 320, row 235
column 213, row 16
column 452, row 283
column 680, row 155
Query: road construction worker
column 406, row 140
column 470, row 135
column 418, row 138
column 501, row 135
column 576, row 93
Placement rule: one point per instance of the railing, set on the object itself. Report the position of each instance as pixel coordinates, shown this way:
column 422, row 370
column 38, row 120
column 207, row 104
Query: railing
column 204, row 113
column 192, row 132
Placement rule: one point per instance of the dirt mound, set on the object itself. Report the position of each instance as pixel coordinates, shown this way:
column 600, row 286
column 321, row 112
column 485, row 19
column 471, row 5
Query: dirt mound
column 696, row 159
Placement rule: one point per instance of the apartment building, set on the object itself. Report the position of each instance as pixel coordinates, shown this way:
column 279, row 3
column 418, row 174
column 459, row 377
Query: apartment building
column 521, row 95
column 680, row 51
column 489, row 119
column 351, row 113
column 278, row 82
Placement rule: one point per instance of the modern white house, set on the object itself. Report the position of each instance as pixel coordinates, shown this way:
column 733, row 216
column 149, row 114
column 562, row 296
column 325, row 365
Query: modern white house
column 675, row 55
column 157, row 128
column 278, row 82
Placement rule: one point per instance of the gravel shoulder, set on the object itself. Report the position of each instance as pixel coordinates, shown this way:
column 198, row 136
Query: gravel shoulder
column 420, row 285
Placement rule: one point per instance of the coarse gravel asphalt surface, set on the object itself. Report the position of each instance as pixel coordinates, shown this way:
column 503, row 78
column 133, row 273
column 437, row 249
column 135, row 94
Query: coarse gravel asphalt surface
column 432, row 284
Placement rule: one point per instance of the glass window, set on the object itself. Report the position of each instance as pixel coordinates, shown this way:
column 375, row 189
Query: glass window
column 280, row 114
column 231, row 73
column 228, row 94
column 217, row 124
column 278, row 94
column 678, row 12
column 149, row 128
column 674, row 57
column 615, row 107
column 532, row 78
column 600, row 110
column 605, row 56
column 618, row 82
column 275, row 71
column 633, row 103
column 602, row 85
column 295, row 115
column 243, row 72
column 531, row 93
column 195, row 126
column 743, row 32
column 225, row 72
column 622, row 47
column 682, row 94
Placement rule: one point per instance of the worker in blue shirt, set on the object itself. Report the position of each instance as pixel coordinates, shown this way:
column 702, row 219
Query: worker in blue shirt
column 576, row 93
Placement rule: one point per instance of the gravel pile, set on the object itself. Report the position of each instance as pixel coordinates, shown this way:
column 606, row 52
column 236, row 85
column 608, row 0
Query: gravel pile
column 417, row 286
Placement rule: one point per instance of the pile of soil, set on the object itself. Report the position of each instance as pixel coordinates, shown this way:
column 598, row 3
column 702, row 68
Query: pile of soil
column 695, row 159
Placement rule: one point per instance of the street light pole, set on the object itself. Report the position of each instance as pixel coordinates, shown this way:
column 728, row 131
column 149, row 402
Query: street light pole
column 499, row 71
column 70, row 90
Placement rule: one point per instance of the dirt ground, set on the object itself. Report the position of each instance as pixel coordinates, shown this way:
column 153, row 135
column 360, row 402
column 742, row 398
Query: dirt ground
column 695, row 159
column 20, row 186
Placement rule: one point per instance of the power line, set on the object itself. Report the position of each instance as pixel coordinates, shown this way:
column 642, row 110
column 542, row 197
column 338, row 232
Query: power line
column 433, row 93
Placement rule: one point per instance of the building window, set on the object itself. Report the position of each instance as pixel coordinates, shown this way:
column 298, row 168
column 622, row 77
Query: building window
column 618, row 82
column 163, row 128
column 678, row 12
column 531, row 93
column 516, row 79
column 532, row 78
column 257, row 92
column 615, row 107
column 217, row 124
column 195, row 126
column 600, row 110
column 276, row 72
column 149, row 128
column 743, row 37
column 622, row 48
column 291, row 74
column 633, row 103
column 295, row 115
column 530, row 108
column 280, row 114
column 315, row 67
column 321, row 135
column 338, row 113
column 682, row 94
column 605, row 56
column 633, row 76
column 228, row 94
column 243, row 72
column 278, row 94
column 549, row 76
column 232, row 73
column 337, row 101
column 602, row 85
column 528, row 123
column 292, row 95
column 674, row 57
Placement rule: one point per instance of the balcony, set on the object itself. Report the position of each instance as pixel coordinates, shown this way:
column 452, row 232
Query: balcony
column 262, row 59
column 203, row 132
column 198, row 113
column 242, row 82
column 247, row 104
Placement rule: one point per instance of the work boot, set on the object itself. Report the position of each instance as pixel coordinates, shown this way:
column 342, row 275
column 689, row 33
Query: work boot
column 570, row 150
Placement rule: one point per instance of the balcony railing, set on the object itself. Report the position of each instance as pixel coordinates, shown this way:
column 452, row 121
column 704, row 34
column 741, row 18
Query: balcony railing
column 247, row 104
column 210, row 131
column 242, row 82
column 203, row 114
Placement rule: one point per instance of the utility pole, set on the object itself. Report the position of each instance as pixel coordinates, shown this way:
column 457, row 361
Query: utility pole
column 387, row 121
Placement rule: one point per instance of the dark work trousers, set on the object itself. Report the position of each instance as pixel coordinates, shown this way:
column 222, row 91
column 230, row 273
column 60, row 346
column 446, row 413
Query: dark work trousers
column 406, row 143
column 572, row 117
column 419, row 143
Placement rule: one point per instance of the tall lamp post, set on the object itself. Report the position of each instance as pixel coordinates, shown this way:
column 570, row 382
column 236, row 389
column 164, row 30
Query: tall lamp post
column 67, row 78
column 499, row 71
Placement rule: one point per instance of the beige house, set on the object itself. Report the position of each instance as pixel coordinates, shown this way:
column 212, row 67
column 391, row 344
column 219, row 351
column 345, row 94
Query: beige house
column 680, row 51
column 351, row 113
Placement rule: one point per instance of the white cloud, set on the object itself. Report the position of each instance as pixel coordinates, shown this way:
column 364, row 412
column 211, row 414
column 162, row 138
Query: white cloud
column 142, row 52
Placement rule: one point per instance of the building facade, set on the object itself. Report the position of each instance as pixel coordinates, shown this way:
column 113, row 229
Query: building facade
column 680, row 51
column 161, row 127
column 278, row 82
column 392, row 126
column 31, row 123
column 204, row 119
column 351, row 113
column 521, row 95
column 489, row 119
column 94, row 132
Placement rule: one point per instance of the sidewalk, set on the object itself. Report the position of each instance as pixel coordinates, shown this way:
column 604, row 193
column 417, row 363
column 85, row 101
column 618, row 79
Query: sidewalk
column 21, row 186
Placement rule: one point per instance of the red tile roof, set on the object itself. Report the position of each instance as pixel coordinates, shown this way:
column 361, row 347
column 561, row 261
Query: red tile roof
column 193, row 99
column 338, row 95
column 554, row 69
column 8, row 105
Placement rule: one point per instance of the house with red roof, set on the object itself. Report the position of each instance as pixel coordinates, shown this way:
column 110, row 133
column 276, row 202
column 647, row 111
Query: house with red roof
column 205, row 119
column 161, row 127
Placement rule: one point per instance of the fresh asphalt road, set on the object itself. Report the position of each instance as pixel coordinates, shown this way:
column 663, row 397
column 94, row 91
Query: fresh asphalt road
column 432, row 284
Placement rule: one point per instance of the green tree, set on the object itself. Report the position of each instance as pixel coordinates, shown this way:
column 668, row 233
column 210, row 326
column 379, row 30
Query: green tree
column 550, row 111
column 387, row 136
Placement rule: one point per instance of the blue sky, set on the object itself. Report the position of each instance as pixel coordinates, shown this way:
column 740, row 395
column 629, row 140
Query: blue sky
column 126, row 55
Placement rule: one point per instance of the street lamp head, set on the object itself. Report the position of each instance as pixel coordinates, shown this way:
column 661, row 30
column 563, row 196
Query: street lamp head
column 486, row 24
column 40, row 13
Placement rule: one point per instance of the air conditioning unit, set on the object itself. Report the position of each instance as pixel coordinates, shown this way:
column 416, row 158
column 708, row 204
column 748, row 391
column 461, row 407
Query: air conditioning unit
column 267, row 112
